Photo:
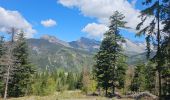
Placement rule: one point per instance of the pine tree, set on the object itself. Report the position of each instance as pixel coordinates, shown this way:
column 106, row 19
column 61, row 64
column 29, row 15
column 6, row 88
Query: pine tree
column 22, row 77
column 166, row 69
column 144, row 78
column 138, row 83
column 2, row 52
column 102, row 69
column 150, row 77
column 70, row 81
column 166, row 48
column 79, row 84
column 166, row 17
column 108, row 69
column 116, row 50
column 156, row 11
column 8, row 63
column 121, row 72
column 61, row 81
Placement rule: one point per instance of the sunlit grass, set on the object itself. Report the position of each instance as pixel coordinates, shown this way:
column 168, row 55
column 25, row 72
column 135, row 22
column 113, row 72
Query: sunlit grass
column 66, row 95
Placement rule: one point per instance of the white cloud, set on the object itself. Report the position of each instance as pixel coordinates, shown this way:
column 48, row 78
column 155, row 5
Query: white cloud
column 48, row 23
column 95, row 30
column 68, row 3
column 103, row 9
column 13, row 19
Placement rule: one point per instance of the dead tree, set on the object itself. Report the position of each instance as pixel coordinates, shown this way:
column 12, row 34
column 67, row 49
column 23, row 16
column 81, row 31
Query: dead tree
column 8, row 62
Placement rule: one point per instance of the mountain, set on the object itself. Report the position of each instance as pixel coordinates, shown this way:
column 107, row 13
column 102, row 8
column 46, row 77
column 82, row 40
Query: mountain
column 49, row 53
column 133, row 48
column 53, row 39
column 87, row 44
column 129, row 47
column 132, row 60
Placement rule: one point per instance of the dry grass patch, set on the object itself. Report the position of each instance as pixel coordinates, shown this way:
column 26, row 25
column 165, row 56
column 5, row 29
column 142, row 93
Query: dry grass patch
column 67, row 95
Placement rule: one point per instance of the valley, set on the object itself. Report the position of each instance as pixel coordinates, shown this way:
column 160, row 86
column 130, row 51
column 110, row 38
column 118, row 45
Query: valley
column 84, row 50
column 49, row 53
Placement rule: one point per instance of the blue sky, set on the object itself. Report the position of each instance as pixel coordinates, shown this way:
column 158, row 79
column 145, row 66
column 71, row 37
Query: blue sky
column 69, row 20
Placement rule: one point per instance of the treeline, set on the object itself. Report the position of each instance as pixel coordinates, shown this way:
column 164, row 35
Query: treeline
column 46, row 83
column 19, row 77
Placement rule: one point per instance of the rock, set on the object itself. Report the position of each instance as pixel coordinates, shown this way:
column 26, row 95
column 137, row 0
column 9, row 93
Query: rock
column 144, row 95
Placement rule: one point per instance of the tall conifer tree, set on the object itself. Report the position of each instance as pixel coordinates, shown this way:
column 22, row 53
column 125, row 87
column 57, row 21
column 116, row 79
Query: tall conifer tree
column 153, row 30
column 22, row 76
column 109, row 60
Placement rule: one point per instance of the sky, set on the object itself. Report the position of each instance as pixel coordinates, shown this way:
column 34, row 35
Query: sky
column 68, row 20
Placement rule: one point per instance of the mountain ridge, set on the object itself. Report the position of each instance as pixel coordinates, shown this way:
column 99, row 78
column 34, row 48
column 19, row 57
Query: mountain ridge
column 92, row 45
column 49, row 53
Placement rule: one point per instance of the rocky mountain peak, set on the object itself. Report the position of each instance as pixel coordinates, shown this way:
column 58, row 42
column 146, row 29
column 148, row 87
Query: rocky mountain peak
column 53, row 39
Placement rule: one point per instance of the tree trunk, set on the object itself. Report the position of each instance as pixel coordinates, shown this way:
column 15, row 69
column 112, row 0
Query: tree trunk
column 160, row 85
column 113, row 89
column 158, row 51
column 106, row 92
column 10, row 62
column 6, row 84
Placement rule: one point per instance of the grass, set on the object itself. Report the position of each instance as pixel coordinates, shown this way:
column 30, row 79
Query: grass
column 67, row 95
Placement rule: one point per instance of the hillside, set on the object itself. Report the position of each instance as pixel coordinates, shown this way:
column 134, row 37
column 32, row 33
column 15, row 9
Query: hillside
column 49, row 56
column 49, row 53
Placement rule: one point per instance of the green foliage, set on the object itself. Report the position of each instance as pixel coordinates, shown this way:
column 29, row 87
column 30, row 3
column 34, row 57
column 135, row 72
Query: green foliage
column 44, row 84
column 110, row 65
column 166, row 67
column 166, row 16
column 138, row 82
column 24, row 70
column 101, row 70
column 1, row 70
column 148, row 40
column 79, row 83
column 150, row 76
column 144, row 78
column 166, row 49
column 62, row 81
column 70, row 81
column 160, row 12
column 2, row 48
column 121, row 72
column 59, row 80
column 166, row 80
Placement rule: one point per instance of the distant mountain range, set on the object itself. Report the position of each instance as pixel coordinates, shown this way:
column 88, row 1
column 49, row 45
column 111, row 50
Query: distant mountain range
column 86, row 44
column 49, row 53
